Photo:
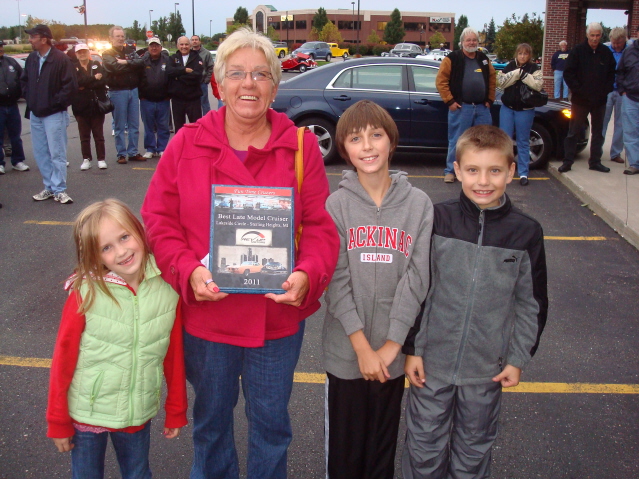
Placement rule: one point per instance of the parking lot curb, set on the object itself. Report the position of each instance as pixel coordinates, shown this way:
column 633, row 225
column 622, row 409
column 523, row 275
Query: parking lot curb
column 597, row 207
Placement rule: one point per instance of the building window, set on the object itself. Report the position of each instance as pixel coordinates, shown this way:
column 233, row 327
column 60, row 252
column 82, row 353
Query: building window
column 288, row 25
column 381, row 25
column 386, row 77
column 300, row 24
column 439, row 27
column 413, row 26
column 275, row 25
column 259, row 21
column 346, row 25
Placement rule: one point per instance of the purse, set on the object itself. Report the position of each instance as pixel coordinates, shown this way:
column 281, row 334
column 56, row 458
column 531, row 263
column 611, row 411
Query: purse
column 103, row 107
column 532, row 98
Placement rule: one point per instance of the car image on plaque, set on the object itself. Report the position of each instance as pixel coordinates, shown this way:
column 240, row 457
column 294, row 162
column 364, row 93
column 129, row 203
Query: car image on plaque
column 246, row 268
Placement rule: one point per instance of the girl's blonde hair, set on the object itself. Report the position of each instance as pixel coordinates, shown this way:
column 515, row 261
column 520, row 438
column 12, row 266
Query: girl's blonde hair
column 86, row 234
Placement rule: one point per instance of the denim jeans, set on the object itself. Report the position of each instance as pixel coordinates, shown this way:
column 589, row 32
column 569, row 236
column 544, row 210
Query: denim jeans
column 614, row 103
column 132, row 451
column 458, row 122
column 214, row 370
column 518, row 122
column 206, row 105
column 559, row 82
column 155, row 116
column 49, row 139
column 10, row 119
column 631, row 130
column 126, row 113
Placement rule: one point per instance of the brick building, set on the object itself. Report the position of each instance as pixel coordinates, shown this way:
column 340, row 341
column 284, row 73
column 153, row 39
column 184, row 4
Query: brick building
column 566, row 20
column 294, row 26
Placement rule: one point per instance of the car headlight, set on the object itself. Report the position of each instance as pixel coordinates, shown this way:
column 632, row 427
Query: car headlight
column 567, row 113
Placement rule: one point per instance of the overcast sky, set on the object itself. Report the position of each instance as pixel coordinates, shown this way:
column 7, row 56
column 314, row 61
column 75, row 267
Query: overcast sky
column 123, row 12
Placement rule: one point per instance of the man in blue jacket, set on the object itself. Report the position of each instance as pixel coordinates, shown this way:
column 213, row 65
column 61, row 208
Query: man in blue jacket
column 48, row 84
column 617, row 45
column 628, row 83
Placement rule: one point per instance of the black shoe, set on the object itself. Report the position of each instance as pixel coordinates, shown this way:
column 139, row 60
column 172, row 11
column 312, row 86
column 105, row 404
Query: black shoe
column 523, row 181
column 599, row 167
column 565, row 167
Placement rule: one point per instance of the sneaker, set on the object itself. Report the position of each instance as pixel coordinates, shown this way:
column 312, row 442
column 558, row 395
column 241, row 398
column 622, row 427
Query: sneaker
column 122, row 160
column 137, row 157
column 1, row 170
column 20, row 166
column 67, row 164
column 148, row 155
column 159, row 154
column 449, row 178
column 43, row 195
column 63, row 198
column 86, row 164
column 112, row 132
column 102, row 164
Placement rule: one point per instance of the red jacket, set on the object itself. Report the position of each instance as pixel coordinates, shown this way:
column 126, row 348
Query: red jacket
column 177, row 212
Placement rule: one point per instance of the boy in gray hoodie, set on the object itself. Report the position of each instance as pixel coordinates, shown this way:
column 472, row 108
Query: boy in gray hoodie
column 379, row 283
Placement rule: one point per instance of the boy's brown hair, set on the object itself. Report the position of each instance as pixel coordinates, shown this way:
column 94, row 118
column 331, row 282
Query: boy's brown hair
column 360, row 115
column 485, row 137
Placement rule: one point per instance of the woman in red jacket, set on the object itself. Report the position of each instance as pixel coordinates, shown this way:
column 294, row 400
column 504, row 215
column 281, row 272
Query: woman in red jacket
column 257, row 337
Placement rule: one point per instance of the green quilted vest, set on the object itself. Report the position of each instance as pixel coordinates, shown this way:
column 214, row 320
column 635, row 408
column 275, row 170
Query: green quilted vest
column 118, row 379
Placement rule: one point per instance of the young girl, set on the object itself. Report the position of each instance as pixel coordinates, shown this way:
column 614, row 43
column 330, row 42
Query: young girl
column 119, row 330
column 380, row 281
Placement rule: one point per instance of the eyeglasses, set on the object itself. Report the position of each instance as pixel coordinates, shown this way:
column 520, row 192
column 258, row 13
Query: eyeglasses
column 238, row 75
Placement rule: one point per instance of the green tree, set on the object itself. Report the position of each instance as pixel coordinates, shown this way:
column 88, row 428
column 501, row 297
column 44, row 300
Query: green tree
column 330, row 33
column 519, row 30
column 136, row 31
column 459, row 28
column 241, row 16
column 490, row 35
column 313, row 34
column 394, row 31
column 175, row 26
column 437, row 39
column 320, row 19
column 272, row 34
column 373, row 38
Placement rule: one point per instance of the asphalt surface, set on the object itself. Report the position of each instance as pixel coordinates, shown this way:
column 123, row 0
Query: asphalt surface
column 592, row 335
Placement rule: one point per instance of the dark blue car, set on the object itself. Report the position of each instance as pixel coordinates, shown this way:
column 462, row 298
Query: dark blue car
column 406, row 88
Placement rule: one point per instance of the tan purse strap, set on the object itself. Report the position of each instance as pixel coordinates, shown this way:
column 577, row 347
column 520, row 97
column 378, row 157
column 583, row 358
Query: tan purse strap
column 299, row 174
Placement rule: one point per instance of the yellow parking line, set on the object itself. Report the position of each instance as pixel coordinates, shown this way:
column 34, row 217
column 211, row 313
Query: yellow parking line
column 320, row 378
column 577, row 238
column 140, row 168
column 35, row 222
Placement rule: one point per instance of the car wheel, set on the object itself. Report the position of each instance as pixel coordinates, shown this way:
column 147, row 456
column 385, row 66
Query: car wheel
column 325, row 133
column 282, row 55
column 345, row 55
column 247, row 272
column 541, row 146
column 311, row 56
column 302, row 68
column 328, row 57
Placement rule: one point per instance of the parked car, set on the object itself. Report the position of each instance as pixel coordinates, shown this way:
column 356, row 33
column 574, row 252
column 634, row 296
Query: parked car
column 499, row 64
column 406, row 50
column 336, row 51
column 246, row 268
column 436, row 55
column 315, row 50
column 299, row 61
column 274, row 268
column 281, row 49
column 406, row 88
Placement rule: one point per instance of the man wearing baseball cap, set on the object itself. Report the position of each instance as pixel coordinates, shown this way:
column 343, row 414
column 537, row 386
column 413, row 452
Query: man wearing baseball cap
column 48, row 84
column 10, row 93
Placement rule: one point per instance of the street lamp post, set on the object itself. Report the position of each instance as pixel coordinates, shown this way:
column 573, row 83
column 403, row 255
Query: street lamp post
column 358, row 27
column 210, row 31
column 175, row 20
column 150, row 23
column 193, row 14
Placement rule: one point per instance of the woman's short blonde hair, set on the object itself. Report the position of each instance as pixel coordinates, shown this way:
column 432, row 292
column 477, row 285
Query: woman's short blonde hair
column 524, row 47
column 247, row 38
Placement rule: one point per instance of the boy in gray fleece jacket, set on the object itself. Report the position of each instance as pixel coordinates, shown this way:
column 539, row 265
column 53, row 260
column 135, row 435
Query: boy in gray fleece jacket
column 380, row 281
column 482, row 318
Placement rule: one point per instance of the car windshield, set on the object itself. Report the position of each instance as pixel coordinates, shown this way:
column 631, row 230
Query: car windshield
column 308, row 45
column 402, row 46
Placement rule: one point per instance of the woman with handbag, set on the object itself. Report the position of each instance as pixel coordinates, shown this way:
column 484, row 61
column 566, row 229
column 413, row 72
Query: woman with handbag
column 90, row 98
column 520, row 80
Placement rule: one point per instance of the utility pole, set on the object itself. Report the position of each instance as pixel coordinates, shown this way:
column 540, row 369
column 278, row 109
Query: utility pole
column 193, row 12
column 358, row 24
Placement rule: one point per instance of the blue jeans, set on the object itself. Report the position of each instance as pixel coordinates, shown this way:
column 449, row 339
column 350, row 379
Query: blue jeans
column 631, row 130
column 132, row 451
column 126, row 113
column 49, row 139
column 458, row 122
column 559, row 81
column 614, row 103
column 10, row 119
column 155, row 116
column 518, row 122
column 214, row 370
column 206, row 106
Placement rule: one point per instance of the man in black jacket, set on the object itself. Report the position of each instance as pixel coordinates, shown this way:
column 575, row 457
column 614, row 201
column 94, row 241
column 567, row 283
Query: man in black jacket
column 590, row 75
column 155, row 105
column 184, row 83
column 48, row 84
column 10, row 93
column 123, row 67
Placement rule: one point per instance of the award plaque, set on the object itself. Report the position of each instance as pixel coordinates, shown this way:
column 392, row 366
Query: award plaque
column 251, row 238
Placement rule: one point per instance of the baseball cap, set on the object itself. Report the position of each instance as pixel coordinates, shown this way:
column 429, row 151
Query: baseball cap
column 42, row 30
column 81, row 46
column 154, row 40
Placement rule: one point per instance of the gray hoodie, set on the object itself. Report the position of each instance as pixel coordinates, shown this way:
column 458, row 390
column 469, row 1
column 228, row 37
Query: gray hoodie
column 382, row 272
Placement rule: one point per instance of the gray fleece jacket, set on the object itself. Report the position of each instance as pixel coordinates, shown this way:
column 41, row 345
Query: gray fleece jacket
column 382, row 273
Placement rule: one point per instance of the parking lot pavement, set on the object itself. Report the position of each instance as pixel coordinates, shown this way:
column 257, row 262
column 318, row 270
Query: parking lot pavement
column 574, row 416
